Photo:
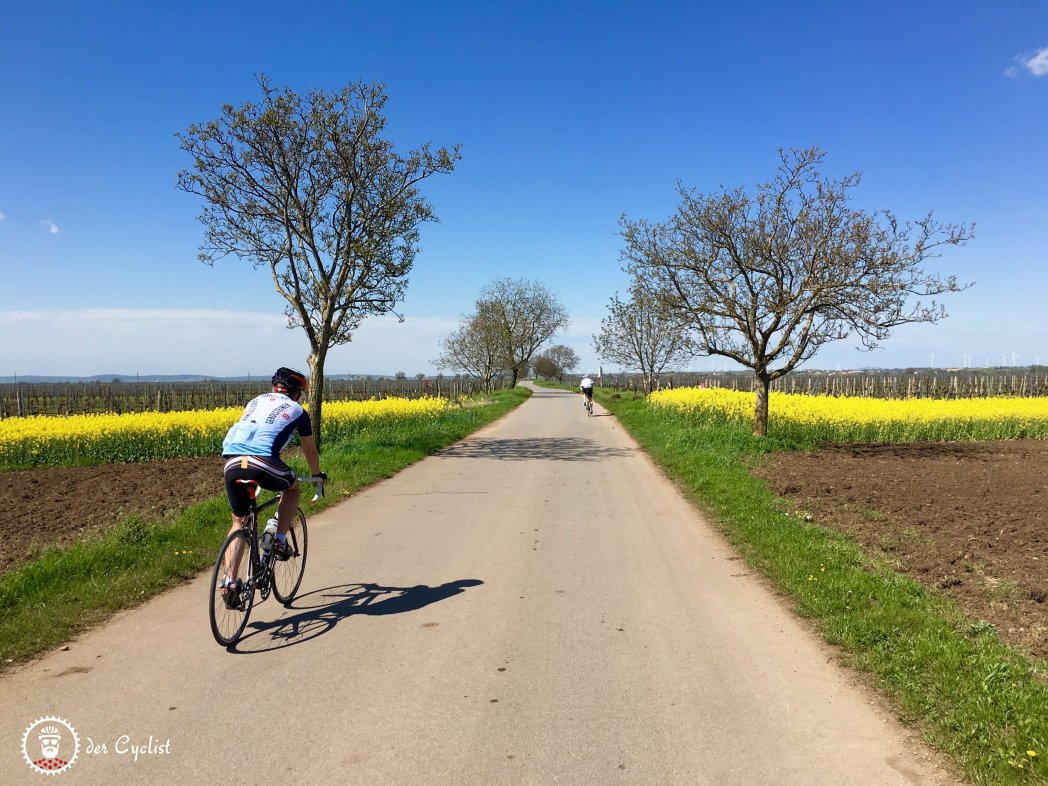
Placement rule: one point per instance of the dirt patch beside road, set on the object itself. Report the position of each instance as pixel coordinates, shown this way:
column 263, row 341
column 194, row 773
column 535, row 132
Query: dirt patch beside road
column 62, row 504
column 968, row 519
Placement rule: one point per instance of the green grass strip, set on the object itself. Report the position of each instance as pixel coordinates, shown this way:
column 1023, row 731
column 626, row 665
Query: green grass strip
column 46, row 602
column 981, row 702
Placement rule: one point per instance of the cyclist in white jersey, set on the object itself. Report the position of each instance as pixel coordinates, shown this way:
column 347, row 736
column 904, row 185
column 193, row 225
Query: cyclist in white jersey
column 586, row 386
column 252, row 447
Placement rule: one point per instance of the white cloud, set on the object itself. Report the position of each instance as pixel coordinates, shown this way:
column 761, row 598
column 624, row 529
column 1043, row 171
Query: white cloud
column 1038, row 63
column 220, row 343
column 85, row 342
column 50, row 226
column 3, row 216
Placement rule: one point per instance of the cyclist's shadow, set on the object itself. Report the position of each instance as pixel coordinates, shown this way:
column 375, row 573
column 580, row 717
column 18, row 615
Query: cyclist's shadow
column 321, row 610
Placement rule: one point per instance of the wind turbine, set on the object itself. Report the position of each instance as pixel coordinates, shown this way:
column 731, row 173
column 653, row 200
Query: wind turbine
column 931, row 357
column 1014, row 356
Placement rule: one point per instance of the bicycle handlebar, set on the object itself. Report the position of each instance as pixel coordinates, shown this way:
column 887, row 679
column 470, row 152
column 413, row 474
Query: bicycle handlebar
column 318, row 480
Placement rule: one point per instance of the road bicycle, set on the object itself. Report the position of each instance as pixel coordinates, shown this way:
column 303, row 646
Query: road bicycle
column 588, row 404
column 241, row 561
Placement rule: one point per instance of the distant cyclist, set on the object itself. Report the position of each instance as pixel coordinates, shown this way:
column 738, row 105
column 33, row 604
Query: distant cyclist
column 252, row 447
column 586, row 386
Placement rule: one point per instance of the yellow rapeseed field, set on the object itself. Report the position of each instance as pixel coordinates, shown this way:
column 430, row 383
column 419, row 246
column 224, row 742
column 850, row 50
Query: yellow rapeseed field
column 146, row 436
column 852, row 419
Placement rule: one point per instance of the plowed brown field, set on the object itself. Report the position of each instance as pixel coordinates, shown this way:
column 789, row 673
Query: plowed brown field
column 968, row 519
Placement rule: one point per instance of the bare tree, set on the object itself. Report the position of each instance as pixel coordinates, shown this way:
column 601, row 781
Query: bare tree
column 556, row 362
column 637, row 334
column 523, row 316
column 566, row 358
column 307, row 186
column 475, row 349
column 770, row 278
column 544, row 367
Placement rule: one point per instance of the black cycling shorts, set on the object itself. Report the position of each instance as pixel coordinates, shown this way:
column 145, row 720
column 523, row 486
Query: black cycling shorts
column 588, row 392
column 271, row 474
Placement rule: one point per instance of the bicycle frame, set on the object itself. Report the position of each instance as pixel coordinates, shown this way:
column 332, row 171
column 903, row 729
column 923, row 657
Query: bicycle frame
column 261, row 575
column 253, row 490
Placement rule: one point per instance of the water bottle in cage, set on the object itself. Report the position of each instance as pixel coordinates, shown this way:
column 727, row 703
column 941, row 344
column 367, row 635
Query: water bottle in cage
column 267, row 538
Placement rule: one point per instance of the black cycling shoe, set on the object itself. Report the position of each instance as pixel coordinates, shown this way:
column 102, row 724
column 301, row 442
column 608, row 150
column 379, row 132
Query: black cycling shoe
column 283, row 551
column 231, row 595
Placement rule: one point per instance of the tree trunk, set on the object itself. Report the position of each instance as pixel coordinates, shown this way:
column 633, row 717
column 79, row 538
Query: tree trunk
column 513, row 383
column 316, row 390
column 760, row 411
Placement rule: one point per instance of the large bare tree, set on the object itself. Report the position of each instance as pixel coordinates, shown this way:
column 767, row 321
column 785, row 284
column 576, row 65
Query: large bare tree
column 474, row 348
column 556, row 362
column 307, row 186
column 638, row 334
column 523, row 316
column 767, row 279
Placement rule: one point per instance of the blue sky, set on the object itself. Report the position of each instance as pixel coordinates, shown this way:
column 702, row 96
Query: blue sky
column 569, row 114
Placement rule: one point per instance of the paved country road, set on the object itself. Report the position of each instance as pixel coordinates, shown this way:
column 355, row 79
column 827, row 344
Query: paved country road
column 534, row 605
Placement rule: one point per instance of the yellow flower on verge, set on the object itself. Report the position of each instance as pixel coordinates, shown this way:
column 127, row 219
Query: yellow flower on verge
column 146, row 436
column 853, row 419
column 1032, row 754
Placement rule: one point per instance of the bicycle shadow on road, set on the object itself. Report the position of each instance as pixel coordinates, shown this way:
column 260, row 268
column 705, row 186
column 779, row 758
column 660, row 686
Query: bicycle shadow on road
column 534, row 449
column 321, row 610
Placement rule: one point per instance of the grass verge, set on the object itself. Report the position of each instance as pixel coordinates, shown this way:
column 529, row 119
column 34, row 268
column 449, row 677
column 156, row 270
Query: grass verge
column 48, row 601
column 981, row 702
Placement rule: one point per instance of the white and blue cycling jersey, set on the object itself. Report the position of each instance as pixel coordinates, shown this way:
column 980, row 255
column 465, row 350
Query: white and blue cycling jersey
column 267, row 425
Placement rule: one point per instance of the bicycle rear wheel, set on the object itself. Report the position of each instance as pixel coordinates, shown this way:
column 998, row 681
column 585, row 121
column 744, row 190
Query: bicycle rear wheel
column 287, row 574
column 236, row 562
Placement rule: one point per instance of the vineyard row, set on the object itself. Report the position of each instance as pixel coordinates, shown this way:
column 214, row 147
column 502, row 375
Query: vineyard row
column 77, row 398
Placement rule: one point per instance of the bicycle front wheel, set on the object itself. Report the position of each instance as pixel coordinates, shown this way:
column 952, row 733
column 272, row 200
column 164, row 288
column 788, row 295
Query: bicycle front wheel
column 229, row 612
column 287, row 573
